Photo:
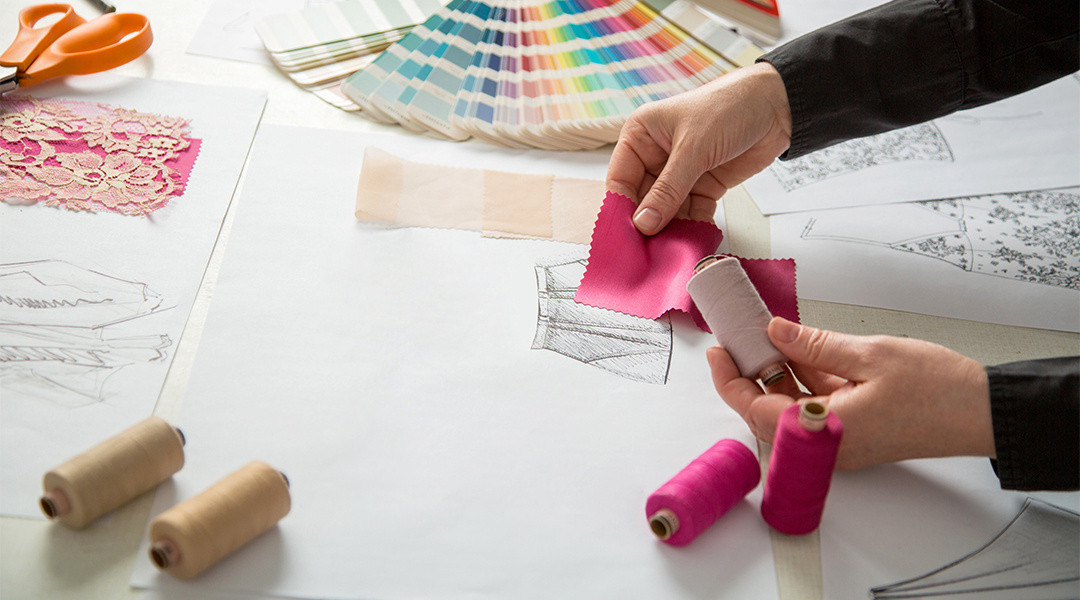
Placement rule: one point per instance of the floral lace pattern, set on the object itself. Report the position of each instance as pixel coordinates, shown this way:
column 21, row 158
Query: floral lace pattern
column 90, row 156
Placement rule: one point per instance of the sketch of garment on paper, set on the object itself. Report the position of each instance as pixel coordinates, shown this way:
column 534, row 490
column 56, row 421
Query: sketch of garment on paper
column 54, row 323
column 631, row 347
column 1036, row 557
column 1027, row 236
column 921, row 142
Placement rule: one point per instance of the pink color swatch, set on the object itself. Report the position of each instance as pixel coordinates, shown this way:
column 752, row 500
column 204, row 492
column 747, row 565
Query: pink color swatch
column 774, row 279
column 641, row 275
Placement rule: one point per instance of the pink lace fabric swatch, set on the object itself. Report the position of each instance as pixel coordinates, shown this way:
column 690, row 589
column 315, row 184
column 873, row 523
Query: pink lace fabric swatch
column 646, row 276
column 640, row 275
column 90, row 156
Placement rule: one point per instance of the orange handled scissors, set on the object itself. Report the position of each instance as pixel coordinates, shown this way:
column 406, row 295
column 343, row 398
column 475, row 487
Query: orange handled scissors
column 71, row 45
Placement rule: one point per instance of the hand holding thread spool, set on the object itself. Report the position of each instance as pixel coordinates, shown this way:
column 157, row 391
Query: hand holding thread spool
column 737, row 316
column 704, row 491
column 113, row 472
column 800, row 468
column 195, row 534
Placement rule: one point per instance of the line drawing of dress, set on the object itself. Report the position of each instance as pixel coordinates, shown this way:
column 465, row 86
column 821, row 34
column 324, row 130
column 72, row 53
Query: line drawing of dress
column 54, row 320
column 1027, row 236
column 920, row 142
column 632, row 347
column 1036, row 557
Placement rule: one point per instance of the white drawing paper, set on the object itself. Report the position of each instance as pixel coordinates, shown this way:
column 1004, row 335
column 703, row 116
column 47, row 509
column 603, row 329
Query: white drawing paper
column 1011, row 259
column 1027, row 142
column 95, row 302
column 388, row 372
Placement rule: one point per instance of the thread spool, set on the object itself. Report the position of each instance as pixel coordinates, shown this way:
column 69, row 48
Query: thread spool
column 801, row 467
column 112, row 473
column 195, row 534
column 738, row 317
column 704, row 491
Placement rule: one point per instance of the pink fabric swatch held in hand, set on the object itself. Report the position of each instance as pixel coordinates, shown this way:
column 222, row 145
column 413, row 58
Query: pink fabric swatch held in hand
column 641, row 275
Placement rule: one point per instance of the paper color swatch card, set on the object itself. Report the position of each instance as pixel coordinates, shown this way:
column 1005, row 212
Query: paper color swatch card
column 321, row 45
column 540, row 73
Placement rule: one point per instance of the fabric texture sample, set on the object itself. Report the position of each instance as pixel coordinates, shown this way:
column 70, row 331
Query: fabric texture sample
column 640, row 275
column 499, row 204
column 90, row 156
column 775, row 282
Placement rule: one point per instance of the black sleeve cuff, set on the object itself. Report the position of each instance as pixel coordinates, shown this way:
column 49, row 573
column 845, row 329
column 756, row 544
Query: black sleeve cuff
column 1035, row 406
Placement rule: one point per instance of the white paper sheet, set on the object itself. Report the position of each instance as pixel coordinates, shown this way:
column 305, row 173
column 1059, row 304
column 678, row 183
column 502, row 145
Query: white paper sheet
column 888, row 523
column 228, row 29
column 997, row 258
column 166, row 251
column 432, row 452
column 1027, row 142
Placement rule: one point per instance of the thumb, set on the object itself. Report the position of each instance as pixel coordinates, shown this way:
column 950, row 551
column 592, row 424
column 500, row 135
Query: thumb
column 827, row 351
column 668, row 193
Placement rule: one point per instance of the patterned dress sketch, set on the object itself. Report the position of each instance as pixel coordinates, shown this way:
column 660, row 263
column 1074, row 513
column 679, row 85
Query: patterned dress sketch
column 1027, row 236
column 921, row 142
column 54, row 321
column 1036, row 556
column 631, row 347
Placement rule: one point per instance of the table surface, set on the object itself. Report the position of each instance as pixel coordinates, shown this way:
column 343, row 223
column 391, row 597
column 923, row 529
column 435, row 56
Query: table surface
column 39, row 559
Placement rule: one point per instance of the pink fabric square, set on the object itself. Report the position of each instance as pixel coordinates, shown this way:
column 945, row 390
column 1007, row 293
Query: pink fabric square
column 640, row 275
column 774, row 280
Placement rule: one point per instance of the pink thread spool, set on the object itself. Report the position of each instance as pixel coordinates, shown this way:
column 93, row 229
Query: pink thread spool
column 801, row 468
column 738, row 317
column 704, row 491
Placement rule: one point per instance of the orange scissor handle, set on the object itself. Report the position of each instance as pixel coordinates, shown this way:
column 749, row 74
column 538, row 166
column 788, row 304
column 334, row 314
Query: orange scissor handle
column 101, row 44
column 30, row 41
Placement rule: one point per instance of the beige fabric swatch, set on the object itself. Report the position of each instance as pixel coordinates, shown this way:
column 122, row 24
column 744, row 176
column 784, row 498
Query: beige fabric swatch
column 517, row 203
column 497, row 203
column 407, row 193
column 574, row 206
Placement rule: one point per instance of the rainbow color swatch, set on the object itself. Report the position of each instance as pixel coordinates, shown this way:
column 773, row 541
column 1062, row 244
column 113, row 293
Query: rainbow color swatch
column 551, row 74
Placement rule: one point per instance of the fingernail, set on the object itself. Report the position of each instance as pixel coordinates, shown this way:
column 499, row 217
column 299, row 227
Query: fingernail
column 647, row 220
column 783, row 330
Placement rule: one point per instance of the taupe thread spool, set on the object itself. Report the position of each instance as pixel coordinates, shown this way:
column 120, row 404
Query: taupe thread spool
column 195, row 534
column 737, row 316
column 112, row 473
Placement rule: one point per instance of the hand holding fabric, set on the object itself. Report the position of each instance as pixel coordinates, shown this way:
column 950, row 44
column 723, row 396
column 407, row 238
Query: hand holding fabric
column 678, row 156
column 898, row 398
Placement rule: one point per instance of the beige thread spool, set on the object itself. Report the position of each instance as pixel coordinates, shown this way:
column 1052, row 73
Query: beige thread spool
column 193, row 535
column 113, row 472
column 737, row 316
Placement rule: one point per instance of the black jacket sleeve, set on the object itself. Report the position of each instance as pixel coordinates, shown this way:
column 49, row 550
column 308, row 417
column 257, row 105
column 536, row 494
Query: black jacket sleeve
column 911, row 61
column 1035, row 406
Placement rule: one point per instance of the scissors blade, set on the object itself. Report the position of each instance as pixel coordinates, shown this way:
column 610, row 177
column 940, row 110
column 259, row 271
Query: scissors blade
column 8, row 79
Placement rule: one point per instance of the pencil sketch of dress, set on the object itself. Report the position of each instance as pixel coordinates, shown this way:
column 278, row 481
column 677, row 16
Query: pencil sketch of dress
column 54, row 321
column 1028, row 236
column 631, row 347
column 1036, row 557
column 921, row 142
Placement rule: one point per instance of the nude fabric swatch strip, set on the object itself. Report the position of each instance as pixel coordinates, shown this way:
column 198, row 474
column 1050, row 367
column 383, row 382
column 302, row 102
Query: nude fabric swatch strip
column 497, row 203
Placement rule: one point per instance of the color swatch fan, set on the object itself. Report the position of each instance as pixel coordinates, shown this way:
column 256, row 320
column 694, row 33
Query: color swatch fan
column 321, row 45
column 541, row 74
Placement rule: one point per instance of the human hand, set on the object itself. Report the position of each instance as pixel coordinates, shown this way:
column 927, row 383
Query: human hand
column 898, row 398
column 678, row 156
